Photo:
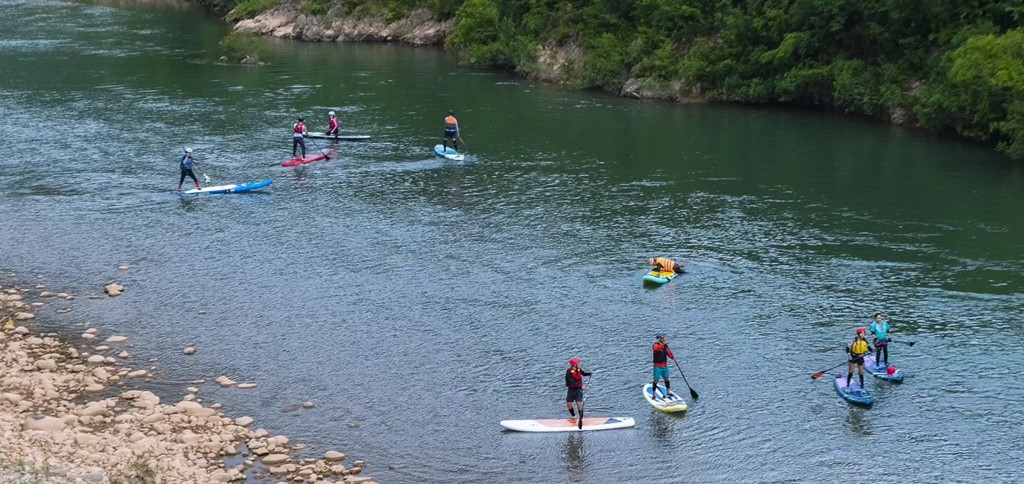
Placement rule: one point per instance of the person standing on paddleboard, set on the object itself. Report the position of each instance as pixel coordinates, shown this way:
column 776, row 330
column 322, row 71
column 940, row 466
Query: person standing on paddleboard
column 857, row 349
column 186, row 168
column 664, row 264
column 574, row 383
column 661, row 356
column 451, row 130
column 880, row 330
column 298, row 137
column 333, row 126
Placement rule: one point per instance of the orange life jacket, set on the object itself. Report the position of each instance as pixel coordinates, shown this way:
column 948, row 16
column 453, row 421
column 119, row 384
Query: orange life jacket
column 450, row 122
column 665, row 265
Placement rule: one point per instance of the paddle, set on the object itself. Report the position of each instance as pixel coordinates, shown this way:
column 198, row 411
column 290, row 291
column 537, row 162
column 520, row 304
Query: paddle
column 462, row 141
column 908, row 343
column 584, row 401
column 693, row 394
column 822, row 372
column 326, row 156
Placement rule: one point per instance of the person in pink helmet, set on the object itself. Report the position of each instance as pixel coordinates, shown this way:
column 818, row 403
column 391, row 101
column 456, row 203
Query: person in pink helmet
column 574, row 383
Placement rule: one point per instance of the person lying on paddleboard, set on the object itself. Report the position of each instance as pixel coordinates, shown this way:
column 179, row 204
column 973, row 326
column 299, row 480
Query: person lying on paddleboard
column 880, row 330
column 451, row 130
column 661, row 356
column 664, row 264
column 857, row 349
column 574, row 383
column 298, row 137
column 186, row 168
column 333, row 126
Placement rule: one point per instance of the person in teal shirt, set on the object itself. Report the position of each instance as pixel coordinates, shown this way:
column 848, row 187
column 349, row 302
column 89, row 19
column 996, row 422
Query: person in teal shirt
column 880, row 329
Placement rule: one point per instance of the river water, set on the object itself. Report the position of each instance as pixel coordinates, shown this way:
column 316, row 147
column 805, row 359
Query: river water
column 418, row 301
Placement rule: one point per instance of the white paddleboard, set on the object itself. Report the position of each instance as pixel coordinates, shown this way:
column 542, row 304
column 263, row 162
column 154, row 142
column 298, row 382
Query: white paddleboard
column 216, row 189
column 568, row 424
column 448, row 154
column 671, row 403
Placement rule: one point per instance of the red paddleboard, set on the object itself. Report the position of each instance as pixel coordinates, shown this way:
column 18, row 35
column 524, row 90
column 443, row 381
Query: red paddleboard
column 310, row 158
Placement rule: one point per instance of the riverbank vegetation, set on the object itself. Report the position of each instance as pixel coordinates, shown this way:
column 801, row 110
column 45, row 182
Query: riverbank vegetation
column 944, row 65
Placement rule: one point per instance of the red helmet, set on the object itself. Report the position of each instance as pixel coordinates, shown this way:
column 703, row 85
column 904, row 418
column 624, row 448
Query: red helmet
column 861, row 331
column 574, row 361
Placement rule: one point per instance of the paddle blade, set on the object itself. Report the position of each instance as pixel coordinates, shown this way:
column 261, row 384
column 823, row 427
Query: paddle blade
column 693, row 394
column 817, row 375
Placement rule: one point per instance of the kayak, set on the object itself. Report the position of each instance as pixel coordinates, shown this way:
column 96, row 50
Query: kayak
column 568, row 424
column 881, row 371
column 672, row 403
column 448, row 154
column 310, row 158
column 339, row 137
column 659, row 277
column 245, row 187
column 854, row 393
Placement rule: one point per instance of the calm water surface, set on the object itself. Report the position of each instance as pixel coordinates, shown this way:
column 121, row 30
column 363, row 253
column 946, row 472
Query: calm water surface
column 418, row 301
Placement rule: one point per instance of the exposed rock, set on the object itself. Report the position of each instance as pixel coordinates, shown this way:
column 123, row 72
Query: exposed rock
column 44, row 423
column 113, row 289
column 96, row 359
column 116, row 339
column 244, row 421
column 246, row 385
column 274, row 459
column 333, row 456
column 123, row 354
column 24, row 316
column 46, row 365
column 308, row 404
column 47, row 294
column 189, row 351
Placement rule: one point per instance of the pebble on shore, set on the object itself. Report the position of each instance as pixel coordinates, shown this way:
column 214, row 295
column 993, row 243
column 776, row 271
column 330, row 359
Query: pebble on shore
column 60, row 422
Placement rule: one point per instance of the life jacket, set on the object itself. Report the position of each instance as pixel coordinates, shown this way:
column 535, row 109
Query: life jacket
column 574, row 378
column 298, row 130
column 334, row 124
column 186, row 162
column 665, row 265
column 859, row 347
column 450, row 123
column 660, row 354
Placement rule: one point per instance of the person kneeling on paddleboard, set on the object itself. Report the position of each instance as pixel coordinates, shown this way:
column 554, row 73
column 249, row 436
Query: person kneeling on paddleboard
column 664, row 264
column 333, row 126
column 186, row 168
column 574, row 382
column 661, row 356
column 880, row 330
column 298, row 137
column 857, row 349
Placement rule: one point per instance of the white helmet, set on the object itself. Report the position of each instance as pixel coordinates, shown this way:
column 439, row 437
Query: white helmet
column 331, row 113
column 188, row 150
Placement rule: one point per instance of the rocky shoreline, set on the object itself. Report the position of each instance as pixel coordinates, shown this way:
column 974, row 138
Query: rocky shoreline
column 72, row 412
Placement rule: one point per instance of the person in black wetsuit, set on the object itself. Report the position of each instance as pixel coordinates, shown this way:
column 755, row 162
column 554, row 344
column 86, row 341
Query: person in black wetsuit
column 186, row 168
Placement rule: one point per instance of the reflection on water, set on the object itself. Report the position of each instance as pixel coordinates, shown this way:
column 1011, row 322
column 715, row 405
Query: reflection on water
column 858, row 420
column 575, row 457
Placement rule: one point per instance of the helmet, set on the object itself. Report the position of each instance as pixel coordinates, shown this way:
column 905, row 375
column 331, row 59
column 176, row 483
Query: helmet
column 451, row 111
column 188, row 150
column 861, row 330
column 331, row 113
column 660, row 334
column 574, row 361
column 300, row 120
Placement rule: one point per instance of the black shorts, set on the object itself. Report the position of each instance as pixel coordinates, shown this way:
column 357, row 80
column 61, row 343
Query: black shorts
column 857, row 359
column 449, row 134
column 574, row 395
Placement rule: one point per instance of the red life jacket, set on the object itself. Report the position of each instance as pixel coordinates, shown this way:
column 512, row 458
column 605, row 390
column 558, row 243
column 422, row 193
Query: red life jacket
column 299, row 128
column 334, row 124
